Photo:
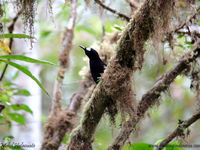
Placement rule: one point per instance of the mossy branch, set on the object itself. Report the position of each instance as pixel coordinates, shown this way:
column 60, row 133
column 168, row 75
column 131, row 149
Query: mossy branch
column 115, row 86
column 60, row 119
column 179, row 131
column 151, row 97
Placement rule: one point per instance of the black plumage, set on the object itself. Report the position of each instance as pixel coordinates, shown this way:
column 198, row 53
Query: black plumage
column 97, row 66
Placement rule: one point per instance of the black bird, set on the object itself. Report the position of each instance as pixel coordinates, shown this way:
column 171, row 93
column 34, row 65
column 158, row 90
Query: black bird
column 97, row 66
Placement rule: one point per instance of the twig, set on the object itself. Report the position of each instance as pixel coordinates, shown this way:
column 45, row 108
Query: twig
column 123, row 16
column 133, row 4
column 151, row 97
column 180, row 26
column 179, row 131
column 60, row 120
column 10, row 30
column 76, row 99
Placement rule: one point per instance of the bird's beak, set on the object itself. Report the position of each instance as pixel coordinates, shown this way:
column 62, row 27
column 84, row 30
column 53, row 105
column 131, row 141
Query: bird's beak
column 84, row 48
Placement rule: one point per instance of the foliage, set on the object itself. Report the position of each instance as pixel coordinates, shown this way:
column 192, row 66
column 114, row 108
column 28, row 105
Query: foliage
column 139, row 146
column 24, row 69
column 8, row 144
column 11, row 111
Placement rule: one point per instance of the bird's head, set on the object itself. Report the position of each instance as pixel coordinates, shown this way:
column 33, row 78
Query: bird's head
column 92, row 54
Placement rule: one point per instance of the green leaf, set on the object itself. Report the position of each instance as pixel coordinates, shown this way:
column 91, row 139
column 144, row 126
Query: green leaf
column 45, row 33
column 180, row 45
column 27, row 72
column 15, row 75
column 141, row 146
column 17, row 107
column 66, row 138
column 180, row 36
column 8, row 138
column 118, row 28
column 5, row 20
column 16, row 147
column 159, row 141
column 11, row 35
column 25, row 58
column 174, row 146
column 17, row 117
column 22, row 92
column 188, row 43
column 198, row 22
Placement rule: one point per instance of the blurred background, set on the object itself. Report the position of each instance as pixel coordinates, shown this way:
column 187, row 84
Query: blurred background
column 178, row 102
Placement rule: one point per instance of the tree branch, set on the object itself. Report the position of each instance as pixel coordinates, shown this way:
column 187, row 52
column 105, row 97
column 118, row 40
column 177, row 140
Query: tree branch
column 181, row 26
column 151, row 97
column 60, row 119
column 76, row 99
column 115, row 86
column 133, row 4
column 179, row 131
column 123, row 16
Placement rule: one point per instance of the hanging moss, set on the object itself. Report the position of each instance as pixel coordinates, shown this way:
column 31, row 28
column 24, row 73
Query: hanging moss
column 29, row 10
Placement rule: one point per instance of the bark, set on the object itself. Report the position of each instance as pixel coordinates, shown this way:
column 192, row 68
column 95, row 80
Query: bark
column 116, row 82
column 60, row 120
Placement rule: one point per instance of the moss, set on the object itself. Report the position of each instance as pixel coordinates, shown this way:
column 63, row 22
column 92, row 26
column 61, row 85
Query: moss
column 29, row 8
column 118, row 86
column 56, row 128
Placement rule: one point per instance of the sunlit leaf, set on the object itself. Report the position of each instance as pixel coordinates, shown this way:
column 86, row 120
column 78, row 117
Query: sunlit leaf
column 66, row 138
column 141, row 146
column 159, row 141
column 17, row 117
column 45, row 33
column 117, row 28
column 4, row 47
column 198, row 22
column 25, row 58
column 17, row 107
column 22, row 92
column 11, row 35
column 26, row 71
column 174, row 146
column 5, row 20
